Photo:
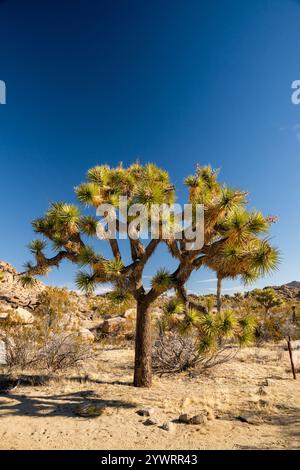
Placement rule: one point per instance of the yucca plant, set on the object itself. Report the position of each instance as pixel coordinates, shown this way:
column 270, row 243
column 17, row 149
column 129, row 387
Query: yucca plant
column 267, row 298
column 202, row 340
column 231, row 241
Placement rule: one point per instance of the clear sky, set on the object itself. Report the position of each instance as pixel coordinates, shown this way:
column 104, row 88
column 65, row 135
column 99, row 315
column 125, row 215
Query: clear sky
column 175, row 82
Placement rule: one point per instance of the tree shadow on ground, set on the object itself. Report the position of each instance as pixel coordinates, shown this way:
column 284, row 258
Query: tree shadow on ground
column 99, row 381
column 285, row 417
column 54, row 405
column 9, row 383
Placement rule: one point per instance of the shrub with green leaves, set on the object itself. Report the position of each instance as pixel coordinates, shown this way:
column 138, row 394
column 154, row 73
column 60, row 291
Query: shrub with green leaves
column 199, row 339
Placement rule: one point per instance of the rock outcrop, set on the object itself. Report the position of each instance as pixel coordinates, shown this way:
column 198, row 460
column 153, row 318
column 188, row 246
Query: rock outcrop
column 12, row 292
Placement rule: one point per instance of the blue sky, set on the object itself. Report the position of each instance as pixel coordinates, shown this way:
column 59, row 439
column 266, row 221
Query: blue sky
column 173, row 82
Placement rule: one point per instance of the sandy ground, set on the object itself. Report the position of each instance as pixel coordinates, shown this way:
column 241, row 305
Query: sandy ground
column 42, row 417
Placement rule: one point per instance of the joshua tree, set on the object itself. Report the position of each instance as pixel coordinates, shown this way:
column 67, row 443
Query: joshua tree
column 267, row 298
column 224, row 236
column 230, row 262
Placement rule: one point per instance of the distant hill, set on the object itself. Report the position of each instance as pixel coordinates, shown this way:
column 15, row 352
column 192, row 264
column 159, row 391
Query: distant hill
column 293, row 284
column 289, row 291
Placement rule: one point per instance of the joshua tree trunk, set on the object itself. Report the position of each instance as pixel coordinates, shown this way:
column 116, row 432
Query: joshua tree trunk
column 143, row 346
column 219, row 294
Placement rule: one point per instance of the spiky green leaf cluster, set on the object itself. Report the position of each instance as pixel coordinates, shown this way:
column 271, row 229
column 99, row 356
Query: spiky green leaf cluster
column 27, row 281
column 162, row 280
column 120, row 297
column 85, row 282
column 87, row 256
column 113, row 268
column 37, row 246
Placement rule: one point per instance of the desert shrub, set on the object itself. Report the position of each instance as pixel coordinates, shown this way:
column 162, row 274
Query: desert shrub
column 52, row 342
column 62, row 351
column 175, row 353
column 28, row 346
column 20, row 344
column 267, row 298
column 188, row 338
column 274, row 327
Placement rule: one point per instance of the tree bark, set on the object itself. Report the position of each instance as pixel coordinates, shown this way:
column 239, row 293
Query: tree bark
column 143, row 346
column 219, row 294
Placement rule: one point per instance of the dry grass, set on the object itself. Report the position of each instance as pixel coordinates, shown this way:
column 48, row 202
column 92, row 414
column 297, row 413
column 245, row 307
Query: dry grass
column 42, row 416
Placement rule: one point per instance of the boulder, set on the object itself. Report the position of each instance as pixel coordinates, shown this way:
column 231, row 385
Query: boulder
column 21, row 315
column 13, row 293
column 2, row 353
column 198, row 419
column 113, row 325
column 130, row 314
column 86, row 335
column 184, row 418
column 89, row 410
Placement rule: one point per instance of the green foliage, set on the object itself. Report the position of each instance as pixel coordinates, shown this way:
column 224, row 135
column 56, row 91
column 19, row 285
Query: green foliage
column 267, row 298
column 113, row 268
column 85, row 282
column 62, row 217
column 162, row 280
column 37, row 246
column 88, row 225
column 173, row 307
column 120, row 297
column 88, row 256
column 88, row 194
column 212, row 330
column 27, row 281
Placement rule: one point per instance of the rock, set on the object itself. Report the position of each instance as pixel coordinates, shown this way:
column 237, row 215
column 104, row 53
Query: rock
column 13, row 293
column 168, row 426
column 150, row 422
column 20, row 315
column 113, row 325
column 198, row 419
column 86, row 335
column 296, row 345
column 263, row 403
column 2, row 353
column 250, row 419
column 145, row 412
column 130, row 314
column 3, row 316
column 88, row 410
column 184, row 418
column 210, row 415
column 261, row 391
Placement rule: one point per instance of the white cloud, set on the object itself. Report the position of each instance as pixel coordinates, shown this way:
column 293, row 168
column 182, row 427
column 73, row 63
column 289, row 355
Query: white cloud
column 295, row 129
column 206, row 280
column 230, row 289
column 103, row 290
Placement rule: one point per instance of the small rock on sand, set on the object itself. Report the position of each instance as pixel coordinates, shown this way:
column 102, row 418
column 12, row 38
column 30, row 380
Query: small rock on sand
column 168, row 426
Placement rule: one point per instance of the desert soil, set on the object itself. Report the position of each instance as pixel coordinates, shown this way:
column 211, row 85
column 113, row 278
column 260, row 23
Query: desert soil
column 42, row 417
